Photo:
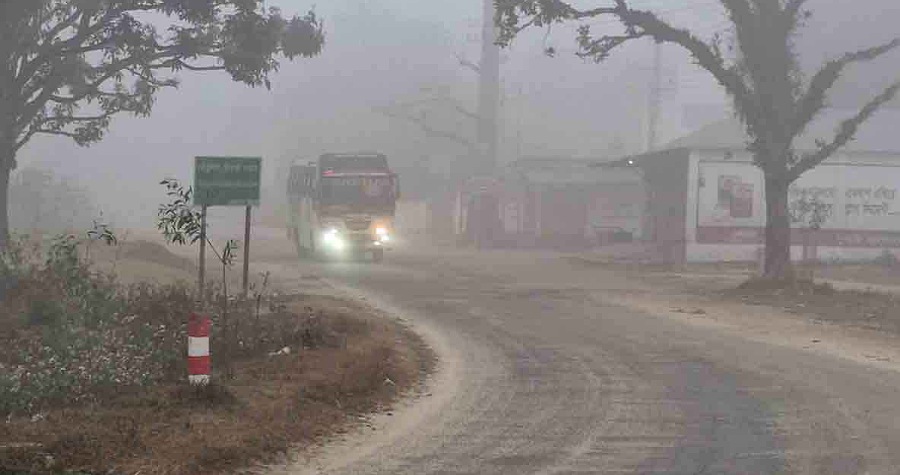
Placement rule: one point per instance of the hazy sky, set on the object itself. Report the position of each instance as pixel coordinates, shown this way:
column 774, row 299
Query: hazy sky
column 384, row 52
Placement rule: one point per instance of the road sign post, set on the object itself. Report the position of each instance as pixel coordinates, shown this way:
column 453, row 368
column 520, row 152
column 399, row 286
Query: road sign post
column 227, row 181
column 246, row 250
column 202, row 277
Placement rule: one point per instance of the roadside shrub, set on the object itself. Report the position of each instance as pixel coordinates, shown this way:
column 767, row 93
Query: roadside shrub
column 74, row 335
column 71, row 335
column 44, row 313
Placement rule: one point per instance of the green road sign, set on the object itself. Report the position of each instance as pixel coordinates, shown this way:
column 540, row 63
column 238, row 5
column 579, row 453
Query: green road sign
column 227, row 181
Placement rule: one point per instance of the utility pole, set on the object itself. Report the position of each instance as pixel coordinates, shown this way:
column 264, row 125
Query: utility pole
column 488, row 89
column 655, row 99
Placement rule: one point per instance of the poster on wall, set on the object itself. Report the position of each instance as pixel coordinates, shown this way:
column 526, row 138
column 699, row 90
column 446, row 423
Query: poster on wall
column 726, row 183
column 735, row 197
column 728, row 195
column 742, row 201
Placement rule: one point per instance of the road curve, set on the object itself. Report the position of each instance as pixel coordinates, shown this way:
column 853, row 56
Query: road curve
column 543, row 374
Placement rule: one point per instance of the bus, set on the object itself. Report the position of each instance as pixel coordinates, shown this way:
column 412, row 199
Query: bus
column 342, row 205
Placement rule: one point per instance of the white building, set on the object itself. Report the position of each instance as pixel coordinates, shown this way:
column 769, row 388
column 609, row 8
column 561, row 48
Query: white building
column 706, row 199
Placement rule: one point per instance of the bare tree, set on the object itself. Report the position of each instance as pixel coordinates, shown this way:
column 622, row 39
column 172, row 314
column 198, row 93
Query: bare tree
column 773, row 100
column 70, row 65
column 420, row 113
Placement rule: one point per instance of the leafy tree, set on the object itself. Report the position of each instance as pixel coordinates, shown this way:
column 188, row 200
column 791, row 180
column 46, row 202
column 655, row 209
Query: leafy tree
column 180, row 223
column 771, row 97
column 71, row 65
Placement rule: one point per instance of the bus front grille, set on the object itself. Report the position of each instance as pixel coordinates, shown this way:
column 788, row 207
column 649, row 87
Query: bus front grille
column 358, row 224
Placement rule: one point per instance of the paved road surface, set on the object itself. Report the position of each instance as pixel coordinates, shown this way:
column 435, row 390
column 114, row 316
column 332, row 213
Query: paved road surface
column 544, row 375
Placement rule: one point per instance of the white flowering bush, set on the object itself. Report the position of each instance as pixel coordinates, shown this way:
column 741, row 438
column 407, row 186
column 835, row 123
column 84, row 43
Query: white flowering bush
column 72, row 335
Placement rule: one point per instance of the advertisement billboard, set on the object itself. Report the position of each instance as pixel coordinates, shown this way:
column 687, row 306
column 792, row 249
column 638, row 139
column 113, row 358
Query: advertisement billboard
column 859, row 204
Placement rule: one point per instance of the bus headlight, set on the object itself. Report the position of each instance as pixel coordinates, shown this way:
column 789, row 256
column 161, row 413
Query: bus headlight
column 382, row 234
column 333, row 240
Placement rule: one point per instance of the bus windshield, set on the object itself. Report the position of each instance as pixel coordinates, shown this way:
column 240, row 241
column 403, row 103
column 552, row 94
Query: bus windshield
column 353, row 163
column 364, row 191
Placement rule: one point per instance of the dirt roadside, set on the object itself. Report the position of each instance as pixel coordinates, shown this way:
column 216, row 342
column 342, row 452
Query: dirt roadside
column 862, row 296
column 363, row 361
column 847, row 319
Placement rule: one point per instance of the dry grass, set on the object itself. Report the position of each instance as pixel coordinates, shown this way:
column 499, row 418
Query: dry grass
column 273, row 403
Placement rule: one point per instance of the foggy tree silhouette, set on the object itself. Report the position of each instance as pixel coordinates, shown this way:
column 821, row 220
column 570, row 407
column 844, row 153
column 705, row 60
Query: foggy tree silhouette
column 42, row 201
column 71, row 65
column 771, row 97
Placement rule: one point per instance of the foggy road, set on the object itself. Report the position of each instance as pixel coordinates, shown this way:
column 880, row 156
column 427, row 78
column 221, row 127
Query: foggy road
column 541, row 373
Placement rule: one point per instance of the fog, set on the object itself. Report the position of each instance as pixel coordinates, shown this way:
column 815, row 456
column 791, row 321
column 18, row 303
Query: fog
column 380, row 54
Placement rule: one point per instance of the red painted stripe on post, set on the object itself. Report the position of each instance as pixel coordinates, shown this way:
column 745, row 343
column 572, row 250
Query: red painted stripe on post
column 199, row 365
column 199, row 325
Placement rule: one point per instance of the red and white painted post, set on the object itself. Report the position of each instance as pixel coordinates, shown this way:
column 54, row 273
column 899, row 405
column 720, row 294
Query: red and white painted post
column 198, row 349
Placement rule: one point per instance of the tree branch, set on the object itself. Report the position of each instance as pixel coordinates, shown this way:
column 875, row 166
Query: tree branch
column 599, row 49
column 53, row 50
column 152, row 80
column 74, row 118
column 567, row 11
column 456, row 106
column 24, row 140
column 198, row 68
column 75, row 99
column 468, row 64
column 845, row 133
column 813, row 101
column 465, row 112
column 63, row 133
column 428, row 129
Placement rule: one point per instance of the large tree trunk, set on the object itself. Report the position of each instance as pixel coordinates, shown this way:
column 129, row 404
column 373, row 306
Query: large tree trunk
column 778, row 230
column 7, row 164
column 4, row 205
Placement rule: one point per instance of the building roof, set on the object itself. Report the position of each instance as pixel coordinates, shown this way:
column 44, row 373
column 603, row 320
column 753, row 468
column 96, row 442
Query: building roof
column 879, row 134
column 565, row 171
column 548, row 162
